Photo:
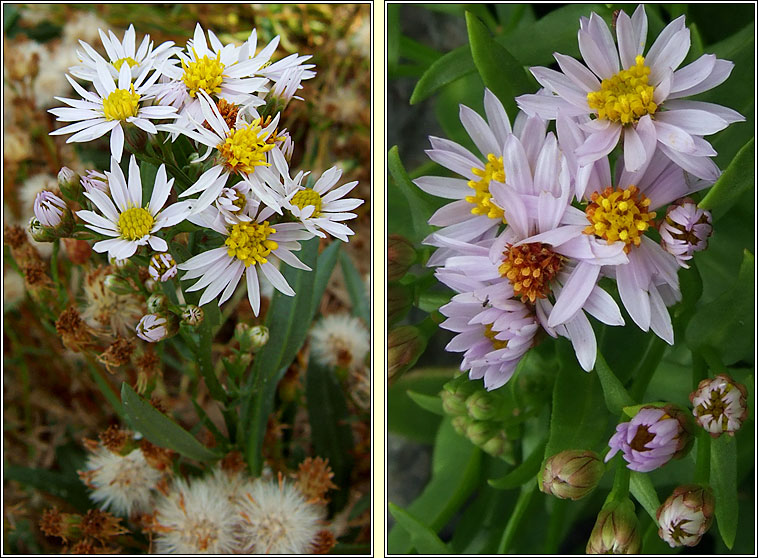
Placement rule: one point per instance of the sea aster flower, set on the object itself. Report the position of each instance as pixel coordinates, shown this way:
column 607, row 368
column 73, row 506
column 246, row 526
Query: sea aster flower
column 95, row 179
column 685, row 230
column 718, row 405
column 277, row 519
column 240, row 150
column 686, row 515
column 129, row 222
column 247, row 249
column 162, row 267
column 194, row 518
column 50, row 210
column 651, row 438
column 340, row 340
column 152, row 328
column 634, row 87
column 113, row 106
column 120, row 53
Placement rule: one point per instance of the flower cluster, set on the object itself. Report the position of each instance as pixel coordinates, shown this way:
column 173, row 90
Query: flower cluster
column 222, row 103
column 538, row 219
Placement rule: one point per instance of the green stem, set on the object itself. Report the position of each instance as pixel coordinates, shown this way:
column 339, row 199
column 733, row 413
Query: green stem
column 205, row 363
column 512, row 527
column 620, row 490
column 54, row 272
column 108, row 391
column 703, row 463
column 699, row 369
column 714, row 361
column 647, row 367
column 555, row 527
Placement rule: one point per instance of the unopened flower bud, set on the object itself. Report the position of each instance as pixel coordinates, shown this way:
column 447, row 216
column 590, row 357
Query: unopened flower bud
column 498, row 445
column 461, row 424
column 685, row 230
column 118, row 285
column 719, row 405
column 616, row 530
column 40, row 232
column 162, row 267
column 571, row 474
column 453, row 403
column 404, row 345
column 480, row 431
column 51, row 211
column 686, row 515
column 156, row 303
column 156, row 327
column 251, row 338
column 70, row 183
column 192, row 315
column 94, row 180
column 399, row 302
column 401, row 255
column 483, row 405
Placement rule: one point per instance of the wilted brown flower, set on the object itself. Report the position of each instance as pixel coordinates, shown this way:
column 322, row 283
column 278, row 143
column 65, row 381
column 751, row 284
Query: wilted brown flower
column 101, row 525
column 323, row 542
column 314, row 479
column 74, row 332
column 157, row 457
column 117, row 354
column 114, row 438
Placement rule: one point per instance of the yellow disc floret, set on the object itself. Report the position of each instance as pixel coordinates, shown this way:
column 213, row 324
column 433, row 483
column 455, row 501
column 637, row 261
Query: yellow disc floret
column 121, row 104
column 530, row 268
column 482, row 199
column 249, row 242
column 497, row 344
column 245, row 148
column 626, row 97
column 120, row 62
column 304, row 198
column 619, row 215
column 204, row 73
column 135, row 223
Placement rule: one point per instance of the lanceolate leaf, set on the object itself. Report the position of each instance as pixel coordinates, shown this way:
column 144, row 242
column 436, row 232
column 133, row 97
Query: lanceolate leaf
column 326, row 262
column 431, row 403
column 737, row 178
column 159, row 429
column 423, row 538
column 644, row 492
column 526, row 472
column 724, row 483
column 616, row 396
column 420, row 208
column 356, row 288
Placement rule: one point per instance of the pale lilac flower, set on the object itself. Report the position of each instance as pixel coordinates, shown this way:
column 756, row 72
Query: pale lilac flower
column 494, row 331
column 152, row 328
column 685, row 230
column 719, row 405
column 113, row 105
column 125, row 219
column 634, row 88
column 120, row 53
column 95, row 180
column 650, row 439
column 162, row 267
column 250, row 248
column 49, row 209
column 686, row 515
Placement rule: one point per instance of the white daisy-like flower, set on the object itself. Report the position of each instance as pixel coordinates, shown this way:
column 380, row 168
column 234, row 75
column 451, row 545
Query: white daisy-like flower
column 194, row 518
column 634, row 87
column 250, row 248
column 340, row 341
column 277, row 519
column 130, row 223
column 112, row 106
column 320, row 208
column 119, row 53
column 719, row 405
column 224, row 71
column 121, row 484
column 162, row 267
column 152, row 328
column 240, row 151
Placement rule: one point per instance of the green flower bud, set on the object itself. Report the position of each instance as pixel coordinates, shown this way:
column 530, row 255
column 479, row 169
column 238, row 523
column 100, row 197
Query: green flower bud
column 251, row 339
column 571, row 474
column 192, row 315
column 461, row 424
column 399, row 302
column 483, row 405
column 118, row 285
column 453, row 403
column 157, row 302
column 616, row 530
column 498, row 446
column 479, row 432
column 404, row 345
column 401, row 255
column 686, row 515
column 70, row 183
column 41, row 233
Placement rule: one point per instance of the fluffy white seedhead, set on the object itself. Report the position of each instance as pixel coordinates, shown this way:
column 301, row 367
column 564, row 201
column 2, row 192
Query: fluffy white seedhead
column 340, row 340
column 195, row 518
column 121, row 484
column 276, row 519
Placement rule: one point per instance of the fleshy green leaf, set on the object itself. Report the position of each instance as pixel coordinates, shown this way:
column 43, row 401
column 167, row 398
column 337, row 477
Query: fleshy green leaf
column 326, row 262
column 736, row 179
column 451, row 66
column 644, row 492
column 404, row 417
column 330, row 431
column 423, row 538
column 523, row 473
column 724, row 483
column 159, row 429
column 431, row 403
column 615, row 394
column 500, row 71
column 419, row 206
column 356, row 288
column 66, row 487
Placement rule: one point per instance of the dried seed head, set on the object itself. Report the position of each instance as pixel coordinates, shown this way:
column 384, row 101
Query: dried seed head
column 314, row 479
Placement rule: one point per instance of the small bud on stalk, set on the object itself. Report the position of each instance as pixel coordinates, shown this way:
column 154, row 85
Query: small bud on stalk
column 571, row 474
column 685, row 230
column 483, row 405
column 162, row 267
column 118, row 285
column 616, row 530
column 192, row 315
column 404, row 345
column 401, row 255
column 251, row 338
column 157, row 302
column 399, row 302
column 53, row 213
column 39, row 232
column 719, row 405
column 157, row 327
column 686, row 515
column 70, row 183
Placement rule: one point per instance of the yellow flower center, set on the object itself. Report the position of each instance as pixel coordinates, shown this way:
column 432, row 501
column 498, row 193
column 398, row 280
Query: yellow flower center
column 240, row 201
column 129, row 60
column 497, row 344
column 121, row 104
column 626, row 97
column 245, row 148
column 249, row 242
column 482, row 199
column 135, row 223
column 304, row 198
column 204, row 73
column 619, row 214
column 530, row 268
